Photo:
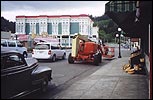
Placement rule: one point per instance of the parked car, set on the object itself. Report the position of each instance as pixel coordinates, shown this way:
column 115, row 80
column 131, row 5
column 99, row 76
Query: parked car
column 21, row 76
column 14, row 45
column 48, row 50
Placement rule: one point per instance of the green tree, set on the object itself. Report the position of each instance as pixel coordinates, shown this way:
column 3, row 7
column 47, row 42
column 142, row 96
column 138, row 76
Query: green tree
column 107, row 27
column 95, row 24
column 102, row 34
column 7, row 25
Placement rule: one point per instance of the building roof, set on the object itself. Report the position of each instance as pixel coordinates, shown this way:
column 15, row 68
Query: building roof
column 53, row 16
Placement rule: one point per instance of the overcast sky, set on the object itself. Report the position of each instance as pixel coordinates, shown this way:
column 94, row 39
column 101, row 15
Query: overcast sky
column 11, row 9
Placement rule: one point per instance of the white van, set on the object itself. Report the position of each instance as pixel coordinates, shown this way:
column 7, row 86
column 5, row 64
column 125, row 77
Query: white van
column 14, row 45
column 48, row 50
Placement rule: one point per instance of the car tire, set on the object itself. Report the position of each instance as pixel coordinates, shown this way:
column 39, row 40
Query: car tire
column 25, row 54
column 70, row 59
column 44, row 85
column 64, row 56
column 54, row 58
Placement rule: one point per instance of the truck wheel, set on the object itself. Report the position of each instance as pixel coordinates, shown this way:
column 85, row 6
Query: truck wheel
column 96, row 60
column 70, row 59
column 100, row 57
column 44, row 85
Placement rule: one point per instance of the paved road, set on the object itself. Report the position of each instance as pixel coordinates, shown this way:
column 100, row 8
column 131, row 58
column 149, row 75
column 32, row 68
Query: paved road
column 65, row 74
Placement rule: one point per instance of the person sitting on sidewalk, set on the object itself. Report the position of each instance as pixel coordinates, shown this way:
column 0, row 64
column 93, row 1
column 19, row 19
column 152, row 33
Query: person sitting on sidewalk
column 135, row 57
column 135, row 62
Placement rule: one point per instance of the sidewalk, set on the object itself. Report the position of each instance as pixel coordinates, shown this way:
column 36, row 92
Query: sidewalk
column 109, row 82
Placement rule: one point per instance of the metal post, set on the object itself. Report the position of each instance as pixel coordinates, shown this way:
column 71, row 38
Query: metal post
column 119, row 36
column 119, row 45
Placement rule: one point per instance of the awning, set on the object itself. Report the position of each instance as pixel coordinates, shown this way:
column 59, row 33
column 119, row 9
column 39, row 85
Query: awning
column 47, row 39
column 120, row 6
column 126, row 21
column 22, row 37
column 123, row 13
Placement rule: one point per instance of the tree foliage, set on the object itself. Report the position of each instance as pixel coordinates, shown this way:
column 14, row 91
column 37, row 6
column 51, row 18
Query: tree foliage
column 107, row 27
column 7, row 26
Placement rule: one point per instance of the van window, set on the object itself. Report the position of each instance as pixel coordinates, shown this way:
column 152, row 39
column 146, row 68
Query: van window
column 11, row 44
column 19, row 44
column 54, row 47
column 3, row 43
column 42, row 46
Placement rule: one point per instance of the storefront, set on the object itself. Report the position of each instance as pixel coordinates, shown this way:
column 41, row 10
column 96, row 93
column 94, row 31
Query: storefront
column 135, row 19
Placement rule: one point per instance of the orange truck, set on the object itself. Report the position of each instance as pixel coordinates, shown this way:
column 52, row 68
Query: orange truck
column 83, row 49
column 108, row 52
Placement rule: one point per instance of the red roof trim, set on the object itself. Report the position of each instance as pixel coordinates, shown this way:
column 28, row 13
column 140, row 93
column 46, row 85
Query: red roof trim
column 31, row 17
column 20, row 16
column 53, row 16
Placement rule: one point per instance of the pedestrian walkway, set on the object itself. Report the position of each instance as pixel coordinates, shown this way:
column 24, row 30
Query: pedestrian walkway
column 109, row 82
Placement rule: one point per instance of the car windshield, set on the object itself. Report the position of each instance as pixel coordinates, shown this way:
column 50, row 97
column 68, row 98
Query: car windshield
column 42, row 46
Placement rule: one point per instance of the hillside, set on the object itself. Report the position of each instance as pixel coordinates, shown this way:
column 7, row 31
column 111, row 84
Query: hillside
column 107, row 27
column 7, row 26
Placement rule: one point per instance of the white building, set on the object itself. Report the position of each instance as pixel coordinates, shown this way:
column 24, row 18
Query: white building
column 61, row 26
column 95, row 32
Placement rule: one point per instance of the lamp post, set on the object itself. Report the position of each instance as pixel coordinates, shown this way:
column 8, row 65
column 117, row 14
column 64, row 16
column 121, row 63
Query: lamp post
column 119, row 36
column 16, row 36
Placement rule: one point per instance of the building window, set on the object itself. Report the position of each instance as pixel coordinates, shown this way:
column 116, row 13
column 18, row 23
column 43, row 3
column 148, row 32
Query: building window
column 22, row 29
column 83, row 29
column 55, row 28
column 80, row 28
column 65, row 27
